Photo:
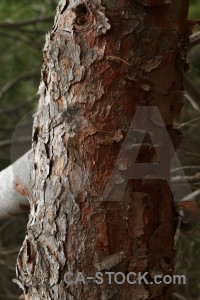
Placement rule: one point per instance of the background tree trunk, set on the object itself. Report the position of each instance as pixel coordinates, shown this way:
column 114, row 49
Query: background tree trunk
column 102, row 59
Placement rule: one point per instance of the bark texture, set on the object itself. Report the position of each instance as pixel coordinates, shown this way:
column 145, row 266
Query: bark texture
column 102, row 59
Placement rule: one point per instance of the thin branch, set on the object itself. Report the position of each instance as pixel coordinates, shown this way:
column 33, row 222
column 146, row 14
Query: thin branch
column 192, row 196
column 188, row 123
column 14, row 25
column 192, row 102
column 186, row 167
column 8, row 296
column 194, row 40
column 192, row 93
column 17, row 107
column 9, row 85
column 7, row 251
column 26, row 39
column 190, row 179
column 28, row 31
column 7, row 142
column 10, row 35
column 178, row 296
column 189, row 153
column 195, row 70
column 7, row 128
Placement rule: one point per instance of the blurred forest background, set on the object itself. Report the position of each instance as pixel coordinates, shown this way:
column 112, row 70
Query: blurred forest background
column 23, row 25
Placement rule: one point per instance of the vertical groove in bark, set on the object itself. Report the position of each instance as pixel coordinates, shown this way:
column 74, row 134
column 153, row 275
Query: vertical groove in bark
column 101, row 60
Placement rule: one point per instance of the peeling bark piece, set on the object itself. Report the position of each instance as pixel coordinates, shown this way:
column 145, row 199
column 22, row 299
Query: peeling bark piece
column 153, row 63
column 110, row 261
column 187, row 213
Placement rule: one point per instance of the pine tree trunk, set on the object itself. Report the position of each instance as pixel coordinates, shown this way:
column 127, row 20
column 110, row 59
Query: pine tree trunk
column 102, row 59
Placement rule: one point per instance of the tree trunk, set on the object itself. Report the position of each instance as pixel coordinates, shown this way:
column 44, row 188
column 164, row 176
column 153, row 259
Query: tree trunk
column 102, row 59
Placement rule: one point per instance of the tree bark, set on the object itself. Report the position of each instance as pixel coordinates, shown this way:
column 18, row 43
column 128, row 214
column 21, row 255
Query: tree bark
column 102, row 59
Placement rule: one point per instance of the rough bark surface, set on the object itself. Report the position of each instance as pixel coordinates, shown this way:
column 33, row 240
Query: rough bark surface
column 102, row 59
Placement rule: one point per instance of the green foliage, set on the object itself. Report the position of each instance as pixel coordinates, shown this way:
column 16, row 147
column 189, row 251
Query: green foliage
column 194, row 11
column 20, row 52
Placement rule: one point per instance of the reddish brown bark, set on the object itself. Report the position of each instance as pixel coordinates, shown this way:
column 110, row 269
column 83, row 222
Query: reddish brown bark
column 101, row 61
